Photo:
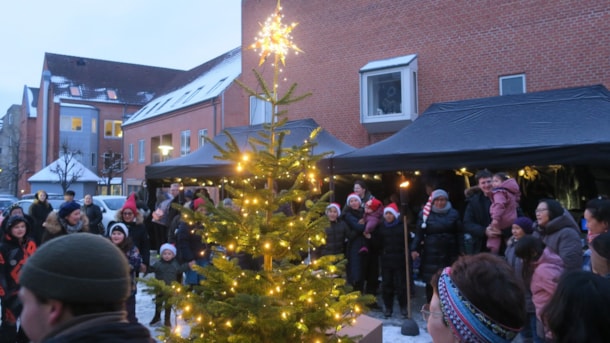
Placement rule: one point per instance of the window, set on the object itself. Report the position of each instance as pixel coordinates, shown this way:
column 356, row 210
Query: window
column 112, row 129
column 93, row 125
column 185, row 142
column 202, row 134
column 216, row 85
column 141, row 157
column 93, row 159
column 111, row 94
column 388, row 93
column 260, row 111
column 113, row 160
column 512, row 84
column 71, row 123
column 75, row 91
column 192, row 95
column 130, row 152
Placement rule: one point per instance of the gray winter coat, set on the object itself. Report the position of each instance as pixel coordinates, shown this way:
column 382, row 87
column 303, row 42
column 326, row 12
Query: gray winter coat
column 562, row 236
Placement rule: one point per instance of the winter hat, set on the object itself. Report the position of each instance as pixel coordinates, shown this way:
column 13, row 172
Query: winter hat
column 130, row 204
column 392, row 208
column 188, row 194
column 120, row 227
column 66, row 208
column 353, row 196
column 167, row 246
column 373, row 204
column 439, row 193
column 335, row 206
column 198, row 203
column 525, row 223
column 600, row 254
column 555, row 208
column 14, row 220
column 69, row 268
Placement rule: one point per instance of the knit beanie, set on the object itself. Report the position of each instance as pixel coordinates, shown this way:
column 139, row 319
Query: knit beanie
column 69, row 268
column 392, row 208
column 525, row 223
column 600, row 254
column 373, row 204
column 353, row 196
column 555, row 208
column 335, row 206
column 439, row 193
column 198, row 203
column 120, row 227
column 66, row 208
column 188, row 194
column 130, row 204
column 167, row 246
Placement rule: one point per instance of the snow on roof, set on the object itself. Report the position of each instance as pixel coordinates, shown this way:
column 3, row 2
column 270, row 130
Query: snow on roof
column 389, row 63
column 208, row 85
column 74, row 167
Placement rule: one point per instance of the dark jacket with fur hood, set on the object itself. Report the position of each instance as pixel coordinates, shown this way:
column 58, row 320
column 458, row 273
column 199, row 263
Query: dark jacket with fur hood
column 53, row 227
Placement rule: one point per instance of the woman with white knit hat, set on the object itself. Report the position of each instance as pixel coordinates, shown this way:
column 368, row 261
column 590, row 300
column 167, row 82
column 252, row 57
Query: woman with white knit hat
column 441, row 238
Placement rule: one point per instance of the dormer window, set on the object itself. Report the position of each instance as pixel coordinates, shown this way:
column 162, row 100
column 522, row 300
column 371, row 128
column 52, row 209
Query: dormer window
column 75, row 91
column 111, row 94
column 388, row 93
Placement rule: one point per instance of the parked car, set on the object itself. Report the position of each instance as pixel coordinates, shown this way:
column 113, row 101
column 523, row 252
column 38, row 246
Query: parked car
column 109, row 204
column 55, row 196
column 8, row 196
column 5, row 203
column 26, row 203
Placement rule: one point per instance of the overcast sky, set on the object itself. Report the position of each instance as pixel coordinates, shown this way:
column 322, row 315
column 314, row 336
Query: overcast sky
column 177, row 34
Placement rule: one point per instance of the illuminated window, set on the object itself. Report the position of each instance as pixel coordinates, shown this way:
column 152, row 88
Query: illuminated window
column 75, row 91
column 111, row 94
column 185, row 142
column 93, row 125
column 71, row 123
column 112, row 129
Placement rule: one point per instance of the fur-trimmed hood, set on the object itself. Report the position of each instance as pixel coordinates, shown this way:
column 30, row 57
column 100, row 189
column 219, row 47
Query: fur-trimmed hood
column 54, row 227
column 118, row 216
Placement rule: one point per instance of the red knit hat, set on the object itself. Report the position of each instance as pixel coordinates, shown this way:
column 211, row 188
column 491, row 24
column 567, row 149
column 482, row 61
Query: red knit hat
column 373, row 204
column 130, row 204
column 198, row 202
column 392, row 208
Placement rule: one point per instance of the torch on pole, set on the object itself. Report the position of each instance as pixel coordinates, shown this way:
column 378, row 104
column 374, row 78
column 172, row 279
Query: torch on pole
column 409, row 326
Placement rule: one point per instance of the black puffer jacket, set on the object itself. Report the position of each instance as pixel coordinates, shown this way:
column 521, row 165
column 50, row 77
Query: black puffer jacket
column 336, row 238
column 477, row 218
column 442, row 239
column 392, row 243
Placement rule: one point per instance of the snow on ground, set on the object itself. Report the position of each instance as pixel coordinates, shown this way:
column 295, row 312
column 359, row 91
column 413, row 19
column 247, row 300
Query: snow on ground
column 145, row 310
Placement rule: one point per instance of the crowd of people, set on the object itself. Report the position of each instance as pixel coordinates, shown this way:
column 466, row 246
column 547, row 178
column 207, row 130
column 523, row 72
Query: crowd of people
column 490, row 272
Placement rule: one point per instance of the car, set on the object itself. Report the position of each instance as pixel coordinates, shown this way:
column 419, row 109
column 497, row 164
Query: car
column 55, row 196
column 26, row 203
column 5, row 203
column 109, row 204
column 8, row 196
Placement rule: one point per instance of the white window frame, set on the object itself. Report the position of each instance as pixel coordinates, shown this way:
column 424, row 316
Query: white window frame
column 113, row 134
column 65, row 120
column 201, row 136
column 185, row 142
column 260, row 111
column 513, row 77
column 130, row 152
column 141, row 151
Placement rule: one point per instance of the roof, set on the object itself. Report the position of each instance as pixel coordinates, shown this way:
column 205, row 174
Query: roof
column 134, row 84
column 565, row 126
column 199, row 84
column 202, row 162
column 74, row 167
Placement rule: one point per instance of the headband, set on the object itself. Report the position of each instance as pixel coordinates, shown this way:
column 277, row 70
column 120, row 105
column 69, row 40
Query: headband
column 467, row 322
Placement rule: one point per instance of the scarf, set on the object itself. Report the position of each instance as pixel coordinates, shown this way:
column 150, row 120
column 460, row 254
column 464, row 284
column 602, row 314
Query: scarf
column 71, row 228
column 442, row 210
column 468, row 323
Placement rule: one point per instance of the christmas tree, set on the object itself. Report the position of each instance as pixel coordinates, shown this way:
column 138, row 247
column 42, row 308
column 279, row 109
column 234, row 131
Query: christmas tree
column 292, row 297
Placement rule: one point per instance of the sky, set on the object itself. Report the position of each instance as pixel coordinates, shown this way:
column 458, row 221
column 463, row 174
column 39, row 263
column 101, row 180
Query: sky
column 171, row 34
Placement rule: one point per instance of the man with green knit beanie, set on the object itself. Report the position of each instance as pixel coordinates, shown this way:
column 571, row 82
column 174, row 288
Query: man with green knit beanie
column 73, row 289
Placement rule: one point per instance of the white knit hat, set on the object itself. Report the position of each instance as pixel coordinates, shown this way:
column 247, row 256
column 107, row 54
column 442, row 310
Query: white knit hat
column 167, row 246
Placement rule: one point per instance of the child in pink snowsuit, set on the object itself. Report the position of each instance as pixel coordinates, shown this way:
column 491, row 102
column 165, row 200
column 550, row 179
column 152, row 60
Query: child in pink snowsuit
column 373, row 211
column 504, row 202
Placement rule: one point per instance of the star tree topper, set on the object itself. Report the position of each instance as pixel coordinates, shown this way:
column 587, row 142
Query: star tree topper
column 275, row 38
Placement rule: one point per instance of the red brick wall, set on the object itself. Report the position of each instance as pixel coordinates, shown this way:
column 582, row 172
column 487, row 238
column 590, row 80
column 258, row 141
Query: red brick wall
column 462, row 47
